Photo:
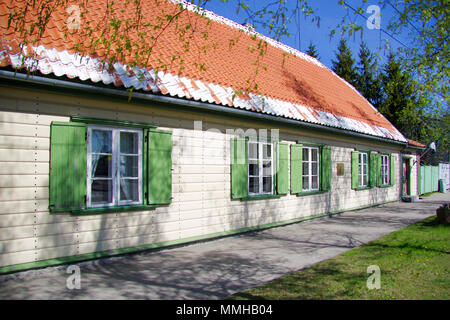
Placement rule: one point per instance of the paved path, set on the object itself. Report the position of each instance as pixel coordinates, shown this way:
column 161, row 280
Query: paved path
column 217, row 269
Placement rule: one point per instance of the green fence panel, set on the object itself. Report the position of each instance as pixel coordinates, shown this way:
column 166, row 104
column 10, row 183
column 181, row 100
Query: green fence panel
column 435, row 172
column 421, row 181
column 429, row 179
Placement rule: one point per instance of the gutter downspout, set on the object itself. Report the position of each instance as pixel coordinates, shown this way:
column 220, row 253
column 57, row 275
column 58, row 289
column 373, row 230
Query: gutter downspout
column 62, row 84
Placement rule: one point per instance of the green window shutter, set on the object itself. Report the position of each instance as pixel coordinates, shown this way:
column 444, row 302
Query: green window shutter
column 355, row 160
column 326, row 169
column 68, row 152
column 296, row 168
column 372, row 169
column 392, row 170
column 159, row 167
column 379, row 178
column 239, row 168
column 283, row 168
column 145, row 166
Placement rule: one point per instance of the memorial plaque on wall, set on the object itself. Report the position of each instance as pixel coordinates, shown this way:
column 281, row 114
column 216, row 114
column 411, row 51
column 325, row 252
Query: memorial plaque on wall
column 340, row 169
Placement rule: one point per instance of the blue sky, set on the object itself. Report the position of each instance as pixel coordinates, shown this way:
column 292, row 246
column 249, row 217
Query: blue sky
column 331, row 14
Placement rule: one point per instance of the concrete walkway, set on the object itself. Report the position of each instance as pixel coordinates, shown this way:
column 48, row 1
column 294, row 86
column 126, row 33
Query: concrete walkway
column 217, row 269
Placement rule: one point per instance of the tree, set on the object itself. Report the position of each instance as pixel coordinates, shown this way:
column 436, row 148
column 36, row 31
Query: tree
column 441, row 136
column 443, row 140
column 344, row 65
column 312, row 51
column 427, row 23
column 401, row 104
column 368, row 81
column 426, row 52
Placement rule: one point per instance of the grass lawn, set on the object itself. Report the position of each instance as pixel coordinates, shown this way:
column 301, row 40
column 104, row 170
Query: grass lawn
column 414, row 264
column 425, row 195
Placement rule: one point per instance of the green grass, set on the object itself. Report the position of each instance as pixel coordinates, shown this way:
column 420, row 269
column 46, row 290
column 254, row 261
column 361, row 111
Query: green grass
column 425, row 195
column 414, row 264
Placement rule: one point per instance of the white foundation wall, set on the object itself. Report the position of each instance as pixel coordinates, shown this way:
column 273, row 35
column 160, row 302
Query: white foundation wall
column 201, row 192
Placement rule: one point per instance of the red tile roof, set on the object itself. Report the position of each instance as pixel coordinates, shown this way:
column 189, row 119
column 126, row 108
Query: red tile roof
column 293, row 84
column 416, row 144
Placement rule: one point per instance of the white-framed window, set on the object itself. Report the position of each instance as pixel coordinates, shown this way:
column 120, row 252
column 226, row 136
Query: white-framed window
column 363, row 169
column 310, row 169
column 385, row 169
column 260, row 168
column 114, row 166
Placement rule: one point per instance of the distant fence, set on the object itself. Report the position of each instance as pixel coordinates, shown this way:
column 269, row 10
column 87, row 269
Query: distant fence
column 430, row 175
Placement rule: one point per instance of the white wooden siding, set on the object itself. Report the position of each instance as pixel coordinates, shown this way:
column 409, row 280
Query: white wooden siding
column 201, row 182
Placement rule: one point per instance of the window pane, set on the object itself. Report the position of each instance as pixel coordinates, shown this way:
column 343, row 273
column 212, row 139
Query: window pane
column 101, row 141
column 129, row 190
column 365, row 181
column 267, row 151
column 129, row 166
column 305, row 154
column 305, row 183
column 129, row 142
column 253, row 150
column 253, row 185
column 305, row 168
column 101, row 166
column 315, row 168
column 363, row 159
column 314, row 154
column 315, row 182
column 267, row 168
column 385, row 169
column 101, row 191
column 267, row 184
column 253, row 168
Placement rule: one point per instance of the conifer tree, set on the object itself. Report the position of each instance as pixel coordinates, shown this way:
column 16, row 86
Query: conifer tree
column 312, row 51
column 401, row 106
column 368, row 77
column 344, row 66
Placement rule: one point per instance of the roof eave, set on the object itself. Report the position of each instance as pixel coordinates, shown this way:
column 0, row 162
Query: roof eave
column 410, row 146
